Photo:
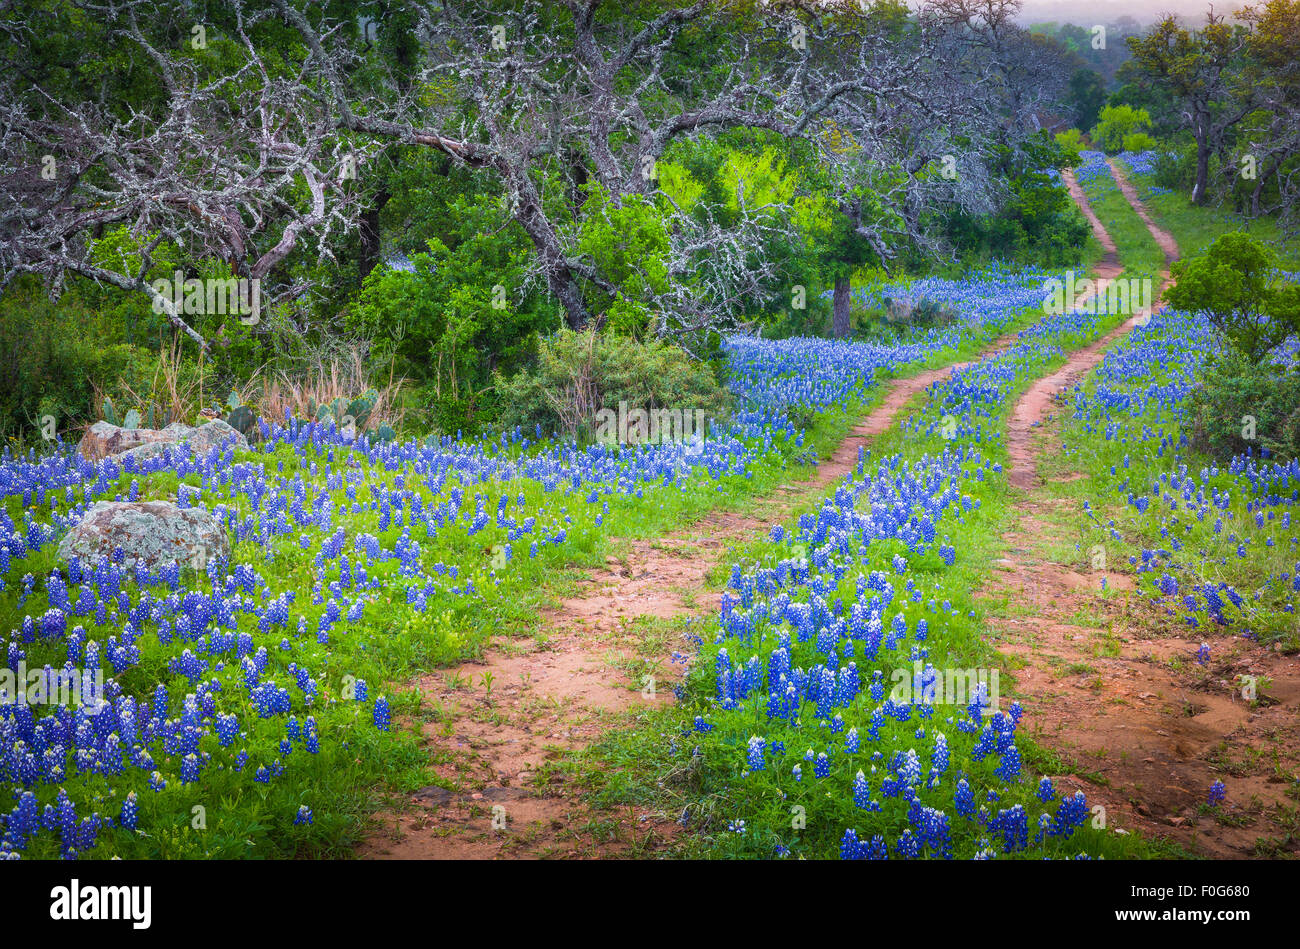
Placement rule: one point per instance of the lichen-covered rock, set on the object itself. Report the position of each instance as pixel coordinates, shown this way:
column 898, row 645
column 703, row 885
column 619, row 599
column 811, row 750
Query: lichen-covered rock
column 102, row 439
column 211, row 434
column 149, row 532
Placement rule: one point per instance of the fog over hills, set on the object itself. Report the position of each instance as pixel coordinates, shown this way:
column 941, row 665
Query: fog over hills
column 1089, row 12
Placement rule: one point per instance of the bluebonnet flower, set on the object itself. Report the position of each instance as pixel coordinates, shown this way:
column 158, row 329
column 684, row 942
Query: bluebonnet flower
column 964, row 800
column 130, row 812
column 1218, row 794
column 861, row 791
column 907, row 846
column 382, row 715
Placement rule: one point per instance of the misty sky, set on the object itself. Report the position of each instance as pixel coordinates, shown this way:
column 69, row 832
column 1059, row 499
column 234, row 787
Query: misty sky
column 1089, row 12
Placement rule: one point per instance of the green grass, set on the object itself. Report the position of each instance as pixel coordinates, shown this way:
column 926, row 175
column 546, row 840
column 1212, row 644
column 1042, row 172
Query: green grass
column 1138, row 250
column 1195, row 227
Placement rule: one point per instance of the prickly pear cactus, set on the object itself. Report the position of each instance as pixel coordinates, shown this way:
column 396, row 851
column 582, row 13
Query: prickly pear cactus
column 361, row 408
column 242, row 420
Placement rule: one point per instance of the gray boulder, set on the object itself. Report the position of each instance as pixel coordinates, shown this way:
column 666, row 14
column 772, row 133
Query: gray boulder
column 103, row 439
column 149, row 532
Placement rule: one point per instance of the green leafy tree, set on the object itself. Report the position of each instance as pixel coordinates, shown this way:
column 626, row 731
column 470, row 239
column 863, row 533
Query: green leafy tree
column 768, row 189
column 1270, row 136
column 1195, row 70
column 1235, row 285
column 1086, row 97
column 463, row 310
column 1118, row 121
column 627, row 244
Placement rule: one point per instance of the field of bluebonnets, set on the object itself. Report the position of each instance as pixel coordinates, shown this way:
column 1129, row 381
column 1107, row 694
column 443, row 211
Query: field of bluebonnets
column 259, row 683
column 264, row 698
column 253, row 693
column 251, row 681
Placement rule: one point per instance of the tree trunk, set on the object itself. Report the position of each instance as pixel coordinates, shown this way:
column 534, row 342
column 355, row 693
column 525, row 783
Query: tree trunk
column 840, row 317
column 370, row 236
column 577, row 181
column 565, row 289
column 1258, row 192
column 559, row 278
column 1199, row 195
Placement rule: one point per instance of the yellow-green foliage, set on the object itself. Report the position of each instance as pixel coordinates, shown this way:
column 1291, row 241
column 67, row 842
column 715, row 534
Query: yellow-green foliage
column 628, row 241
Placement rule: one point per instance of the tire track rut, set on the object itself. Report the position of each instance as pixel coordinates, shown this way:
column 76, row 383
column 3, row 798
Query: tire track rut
column 1100, row 674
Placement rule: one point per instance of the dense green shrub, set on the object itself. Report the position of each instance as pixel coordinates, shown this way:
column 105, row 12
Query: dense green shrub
column 1236, row 286
column 1139, row 142
column 578, row 374
column 1116, row 124
column 1243, row 404
column 54, row 358
column 1175, row 168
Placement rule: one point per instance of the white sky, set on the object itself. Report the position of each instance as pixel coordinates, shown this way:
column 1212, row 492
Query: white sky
column 1089, row 12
